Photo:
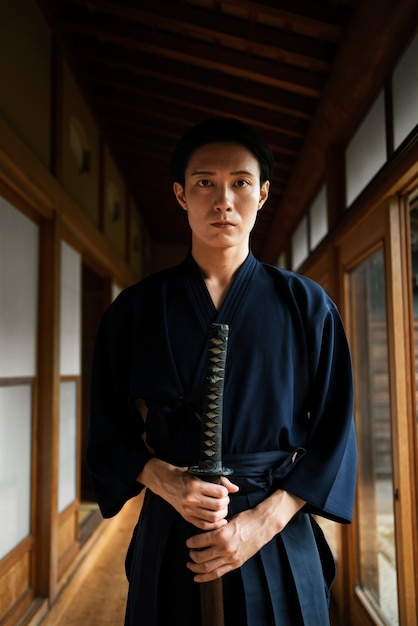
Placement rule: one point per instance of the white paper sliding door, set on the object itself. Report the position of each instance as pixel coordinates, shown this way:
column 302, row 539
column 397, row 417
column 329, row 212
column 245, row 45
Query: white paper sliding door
column 19, row 244
column 70, row 367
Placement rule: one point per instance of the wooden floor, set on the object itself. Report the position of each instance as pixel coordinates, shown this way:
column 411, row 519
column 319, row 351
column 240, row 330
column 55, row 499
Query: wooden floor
column 100, row 594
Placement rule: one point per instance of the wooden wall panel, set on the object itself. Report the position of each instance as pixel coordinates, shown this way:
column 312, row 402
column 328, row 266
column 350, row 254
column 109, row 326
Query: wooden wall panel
column 15, row 579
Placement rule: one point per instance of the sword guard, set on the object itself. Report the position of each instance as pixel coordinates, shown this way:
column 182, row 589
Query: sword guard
column 211, row 474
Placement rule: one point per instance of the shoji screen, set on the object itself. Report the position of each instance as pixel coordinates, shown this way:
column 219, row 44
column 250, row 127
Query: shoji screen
column 19, row 242
column 70, row 368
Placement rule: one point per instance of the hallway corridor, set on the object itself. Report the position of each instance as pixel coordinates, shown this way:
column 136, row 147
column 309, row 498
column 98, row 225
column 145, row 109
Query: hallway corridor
column 99, row 594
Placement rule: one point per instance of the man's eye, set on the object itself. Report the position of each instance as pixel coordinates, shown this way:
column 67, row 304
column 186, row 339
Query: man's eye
column 204, row 182
column 241, row 183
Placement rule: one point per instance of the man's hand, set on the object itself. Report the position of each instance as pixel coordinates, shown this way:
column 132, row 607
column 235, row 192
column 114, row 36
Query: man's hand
column 203, row 504
column 215, row 553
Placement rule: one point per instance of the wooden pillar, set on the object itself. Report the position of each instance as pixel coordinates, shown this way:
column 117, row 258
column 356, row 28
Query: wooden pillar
column 46, row 515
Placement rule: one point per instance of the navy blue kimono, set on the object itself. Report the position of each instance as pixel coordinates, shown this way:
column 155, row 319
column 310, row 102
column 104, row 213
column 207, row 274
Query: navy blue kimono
column 287, row 423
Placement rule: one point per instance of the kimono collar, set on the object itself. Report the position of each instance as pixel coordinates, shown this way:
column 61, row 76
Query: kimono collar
column 233, row 304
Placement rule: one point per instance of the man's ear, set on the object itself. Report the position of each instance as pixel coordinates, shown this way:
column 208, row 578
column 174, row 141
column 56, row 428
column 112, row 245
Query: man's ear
column 179, row 193
column 264, row 193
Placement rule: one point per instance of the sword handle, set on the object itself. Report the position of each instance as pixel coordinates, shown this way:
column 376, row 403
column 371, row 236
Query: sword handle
column 210, row 457
column 210, row 466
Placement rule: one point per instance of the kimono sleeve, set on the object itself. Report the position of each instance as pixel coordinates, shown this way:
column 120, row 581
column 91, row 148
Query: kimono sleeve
column 116, row 452
column 326, row 475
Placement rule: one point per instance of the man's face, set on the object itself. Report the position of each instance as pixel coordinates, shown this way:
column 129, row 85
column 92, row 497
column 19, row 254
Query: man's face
column 222, row 194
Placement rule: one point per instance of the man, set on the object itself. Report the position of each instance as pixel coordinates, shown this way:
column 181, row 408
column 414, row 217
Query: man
column 288, row 430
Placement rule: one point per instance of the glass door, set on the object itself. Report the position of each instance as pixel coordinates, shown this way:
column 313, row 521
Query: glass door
column 376, row 552
column 375, row 284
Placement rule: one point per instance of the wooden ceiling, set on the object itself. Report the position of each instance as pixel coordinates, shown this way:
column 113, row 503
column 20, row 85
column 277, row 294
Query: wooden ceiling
column 298, row 70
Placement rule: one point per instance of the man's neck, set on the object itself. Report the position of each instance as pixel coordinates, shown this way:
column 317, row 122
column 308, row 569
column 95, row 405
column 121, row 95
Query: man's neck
column 219, row 268
column 219, row 263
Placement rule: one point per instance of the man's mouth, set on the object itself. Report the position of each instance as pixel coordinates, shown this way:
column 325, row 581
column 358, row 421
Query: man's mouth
column 223, row 224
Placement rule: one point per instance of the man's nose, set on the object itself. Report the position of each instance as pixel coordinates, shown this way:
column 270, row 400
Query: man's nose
column 223, row 201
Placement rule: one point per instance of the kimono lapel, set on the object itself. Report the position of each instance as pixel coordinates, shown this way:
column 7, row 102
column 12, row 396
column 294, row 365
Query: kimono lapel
column 239, row 293
column 198, row 294
column 234, row 304
column 232, row 308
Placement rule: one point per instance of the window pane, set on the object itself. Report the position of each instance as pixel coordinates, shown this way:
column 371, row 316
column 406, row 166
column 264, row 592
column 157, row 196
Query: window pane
column 366, row 152
column 377, row 558
column 18, row 292
column 70, row 322
column 405, row 94
column 300, row 248
column 15, row 465
column 67, row 471
column 319, row 218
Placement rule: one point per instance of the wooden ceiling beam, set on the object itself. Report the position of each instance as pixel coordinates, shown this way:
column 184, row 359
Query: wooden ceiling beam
column 323, row 20
column 134, row 98
column 205, row 55
column 139, row 68
column 200, row 23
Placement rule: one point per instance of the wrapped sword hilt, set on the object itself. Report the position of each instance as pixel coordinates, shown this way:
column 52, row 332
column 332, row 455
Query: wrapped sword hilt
column 210, row 466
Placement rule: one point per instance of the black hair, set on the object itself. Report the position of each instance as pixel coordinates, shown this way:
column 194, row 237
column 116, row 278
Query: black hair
column 220, row 130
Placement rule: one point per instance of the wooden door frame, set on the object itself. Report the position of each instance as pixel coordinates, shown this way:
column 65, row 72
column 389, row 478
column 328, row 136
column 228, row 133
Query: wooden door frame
column 383, row 227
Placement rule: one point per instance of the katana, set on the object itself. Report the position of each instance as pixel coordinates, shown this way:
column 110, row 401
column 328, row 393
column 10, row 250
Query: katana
column 210, row 466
